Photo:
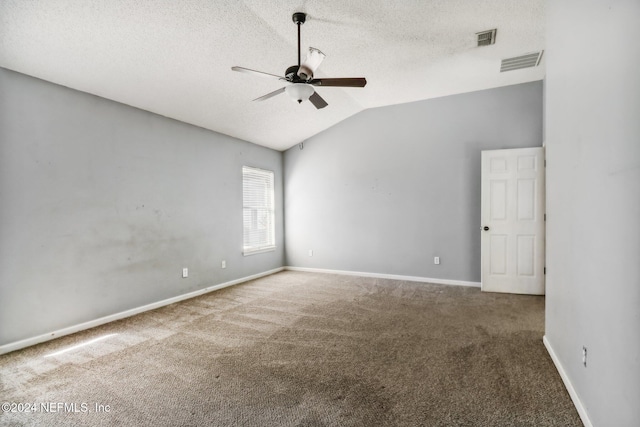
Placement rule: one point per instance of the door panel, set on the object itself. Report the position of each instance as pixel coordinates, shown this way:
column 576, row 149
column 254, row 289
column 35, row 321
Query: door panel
column 513, row 221
column 498, row 199
column 526, row 199
column 526, row 256
column 499, row 254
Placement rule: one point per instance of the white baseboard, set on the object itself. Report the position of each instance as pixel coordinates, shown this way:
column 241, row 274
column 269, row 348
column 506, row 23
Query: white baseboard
column 388, row 276
column 17, row 345
column 567, row 383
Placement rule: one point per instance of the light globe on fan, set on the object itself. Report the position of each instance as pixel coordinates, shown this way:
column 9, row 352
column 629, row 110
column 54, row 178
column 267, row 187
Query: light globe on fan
column 299, row 91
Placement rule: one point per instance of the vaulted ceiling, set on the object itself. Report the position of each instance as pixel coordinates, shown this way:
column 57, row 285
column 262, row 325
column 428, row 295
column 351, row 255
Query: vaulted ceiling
column 174, row 58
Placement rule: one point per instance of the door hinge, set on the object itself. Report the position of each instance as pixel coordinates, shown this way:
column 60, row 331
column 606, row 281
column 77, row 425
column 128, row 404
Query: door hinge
column 545, row 270
column 545, row 217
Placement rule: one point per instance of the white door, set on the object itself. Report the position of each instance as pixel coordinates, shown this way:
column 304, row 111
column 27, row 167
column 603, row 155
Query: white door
column 513, row 221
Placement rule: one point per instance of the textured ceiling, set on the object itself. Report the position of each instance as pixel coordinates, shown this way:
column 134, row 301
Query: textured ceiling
column 174, row 58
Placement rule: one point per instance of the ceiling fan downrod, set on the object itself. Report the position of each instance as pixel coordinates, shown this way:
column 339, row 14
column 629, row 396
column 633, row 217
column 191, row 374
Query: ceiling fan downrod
column 299, row 18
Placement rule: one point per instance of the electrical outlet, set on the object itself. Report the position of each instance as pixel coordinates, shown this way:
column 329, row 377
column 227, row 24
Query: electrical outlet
column 584, row 356
column 436, row 260
column 185, row 273
column 224, row 264
column 310, row 252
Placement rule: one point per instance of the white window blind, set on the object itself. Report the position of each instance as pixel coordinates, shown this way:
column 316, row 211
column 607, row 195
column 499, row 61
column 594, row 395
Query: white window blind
column 257, row 212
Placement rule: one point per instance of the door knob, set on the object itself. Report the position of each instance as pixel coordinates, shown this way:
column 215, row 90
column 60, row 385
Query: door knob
column 485, row 228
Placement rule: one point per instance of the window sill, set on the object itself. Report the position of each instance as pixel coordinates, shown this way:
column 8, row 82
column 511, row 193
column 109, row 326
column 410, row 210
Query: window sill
column 259, row 251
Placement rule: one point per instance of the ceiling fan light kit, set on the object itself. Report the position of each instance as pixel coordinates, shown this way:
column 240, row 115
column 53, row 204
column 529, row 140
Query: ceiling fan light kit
column 299, row 91
column 300, row 77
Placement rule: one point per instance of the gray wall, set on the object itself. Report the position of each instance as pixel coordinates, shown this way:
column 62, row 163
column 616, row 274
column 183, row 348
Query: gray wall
column 593, row 203
column 101, row 205
column 390, row 188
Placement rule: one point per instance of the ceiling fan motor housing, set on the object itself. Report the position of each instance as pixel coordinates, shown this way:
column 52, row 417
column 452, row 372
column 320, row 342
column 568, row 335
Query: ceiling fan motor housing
column 292, row 74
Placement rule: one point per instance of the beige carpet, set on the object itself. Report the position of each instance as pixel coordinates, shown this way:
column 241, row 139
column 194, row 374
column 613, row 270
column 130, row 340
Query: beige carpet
column 302, row 349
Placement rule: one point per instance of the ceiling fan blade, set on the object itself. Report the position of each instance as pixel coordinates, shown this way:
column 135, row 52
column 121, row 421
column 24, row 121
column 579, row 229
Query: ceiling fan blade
column 257, row 73
column 270, row 94
column 317, row 101
column 340, row 82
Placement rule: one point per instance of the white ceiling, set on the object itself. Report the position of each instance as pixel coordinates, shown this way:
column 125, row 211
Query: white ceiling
column 174, row 58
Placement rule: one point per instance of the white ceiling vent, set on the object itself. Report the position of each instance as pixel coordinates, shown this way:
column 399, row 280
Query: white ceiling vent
column 522, row 61
column 485, row 38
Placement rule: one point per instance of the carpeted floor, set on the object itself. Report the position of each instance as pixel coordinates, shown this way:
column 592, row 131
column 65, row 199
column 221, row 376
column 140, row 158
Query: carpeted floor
column 302, row 349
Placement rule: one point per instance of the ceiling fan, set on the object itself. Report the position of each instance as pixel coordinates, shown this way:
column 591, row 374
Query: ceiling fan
column 300, row 77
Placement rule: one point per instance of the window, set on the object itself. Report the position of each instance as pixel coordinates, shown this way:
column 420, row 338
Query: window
column 257, row 210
